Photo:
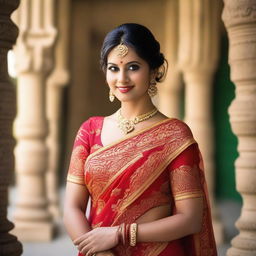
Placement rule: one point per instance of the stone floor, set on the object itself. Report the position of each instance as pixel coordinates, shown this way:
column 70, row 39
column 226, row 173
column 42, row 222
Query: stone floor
column 62, row 245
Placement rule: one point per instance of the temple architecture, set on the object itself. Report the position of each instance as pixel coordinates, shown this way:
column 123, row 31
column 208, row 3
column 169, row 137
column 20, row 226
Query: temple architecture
column 59, row 84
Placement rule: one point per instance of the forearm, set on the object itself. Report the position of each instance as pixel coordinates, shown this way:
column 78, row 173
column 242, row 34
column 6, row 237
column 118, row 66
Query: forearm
column 168, row 229
column 75, row 222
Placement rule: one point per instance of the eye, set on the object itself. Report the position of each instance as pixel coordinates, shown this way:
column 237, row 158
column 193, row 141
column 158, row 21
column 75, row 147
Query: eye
column 134, row 67
column 113, row 68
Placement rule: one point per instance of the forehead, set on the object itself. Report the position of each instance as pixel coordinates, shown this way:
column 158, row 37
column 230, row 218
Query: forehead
column 113, row 57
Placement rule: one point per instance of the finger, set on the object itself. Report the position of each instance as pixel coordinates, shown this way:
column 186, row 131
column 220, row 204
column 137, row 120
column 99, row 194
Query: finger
column 90, row 253
column 81, row 238
column 86, row 249
column 83, row 244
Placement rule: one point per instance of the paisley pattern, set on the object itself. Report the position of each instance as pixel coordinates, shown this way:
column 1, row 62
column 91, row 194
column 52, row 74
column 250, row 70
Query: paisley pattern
column 147, row 169
column 185, row 182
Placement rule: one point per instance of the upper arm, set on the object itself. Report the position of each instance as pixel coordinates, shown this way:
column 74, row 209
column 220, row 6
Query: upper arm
column 76, row 196
column 187, row 184
column 76, row 191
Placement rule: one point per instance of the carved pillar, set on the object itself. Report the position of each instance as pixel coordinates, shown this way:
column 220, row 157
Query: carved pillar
column 34, row 59
column 55, row 83
column 9, row 246
column 240, row 21
column 198, row 57
column 170, row 90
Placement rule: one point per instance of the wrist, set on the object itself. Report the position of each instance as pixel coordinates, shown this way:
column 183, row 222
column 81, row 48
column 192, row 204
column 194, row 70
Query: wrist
column 116, row 232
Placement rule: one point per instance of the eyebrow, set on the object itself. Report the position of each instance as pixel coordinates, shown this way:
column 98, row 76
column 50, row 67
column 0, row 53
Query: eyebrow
column 130, row 62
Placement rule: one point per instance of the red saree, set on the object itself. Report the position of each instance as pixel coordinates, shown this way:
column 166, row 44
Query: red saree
column 153, row 167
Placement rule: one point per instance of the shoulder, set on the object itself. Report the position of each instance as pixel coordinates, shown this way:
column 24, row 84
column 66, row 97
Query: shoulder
column 179, row 127
column 92, row 122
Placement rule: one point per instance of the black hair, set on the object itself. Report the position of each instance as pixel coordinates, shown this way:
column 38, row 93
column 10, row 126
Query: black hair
column 141, row 40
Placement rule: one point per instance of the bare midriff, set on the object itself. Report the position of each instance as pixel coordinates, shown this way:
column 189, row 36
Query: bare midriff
column 155, row 213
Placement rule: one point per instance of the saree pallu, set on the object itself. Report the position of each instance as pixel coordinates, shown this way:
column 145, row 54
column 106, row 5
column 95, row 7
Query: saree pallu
column 153, row 167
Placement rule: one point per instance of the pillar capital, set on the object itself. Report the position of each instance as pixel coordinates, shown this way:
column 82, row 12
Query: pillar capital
column 37, row 36
column 239, row 13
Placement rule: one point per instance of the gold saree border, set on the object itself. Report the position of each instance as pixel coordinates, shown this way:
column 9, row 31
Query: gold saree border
column 158, row 250
column 75, row 179
column 127, row 137
column 153, row 177
column 119, row 172
column 188, row 195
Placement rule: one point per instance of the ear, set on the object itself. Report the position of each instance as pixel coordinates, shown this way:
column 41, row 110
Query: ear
column 153, row 73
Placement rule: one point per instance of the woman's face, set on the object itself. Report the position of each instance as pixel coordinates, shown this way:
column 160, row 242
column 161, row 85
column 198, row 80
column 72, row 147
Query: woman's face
column 128, row 77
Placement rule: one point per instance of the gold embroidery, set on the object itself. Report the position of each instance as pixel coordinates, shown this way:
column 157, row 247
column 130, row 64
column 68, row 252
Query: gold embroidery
column 76, row 166
column 156, row 250
column 120, row 171
column 188, row 195
column 131, row 214
column 128, row 137
column 168, row 140
column 185, row 182
column 95, row 147
column 100, row 206
column 97, row 132
column 81, row 134
column 97, row 225
column 157, row 163
column 75, row 179
column 116, row 192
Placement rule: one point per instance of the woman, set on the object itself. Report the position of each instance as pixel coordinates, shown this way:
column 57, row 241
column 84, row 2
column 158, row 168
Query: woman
column 141, row 169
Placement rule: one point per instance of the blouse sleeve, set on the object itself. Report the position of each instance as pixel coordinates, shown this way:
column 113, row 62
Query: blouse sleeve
column 79, row 154
column 185, row 174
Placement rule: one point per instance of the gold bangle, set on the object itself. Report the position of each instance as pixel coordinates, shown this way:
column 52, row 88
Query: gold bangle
column 133, row 234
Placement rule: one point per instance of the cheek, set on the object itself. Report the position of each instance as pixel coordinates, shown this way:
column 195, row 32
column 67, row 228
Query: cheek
column 109, row 78
column 142, row 78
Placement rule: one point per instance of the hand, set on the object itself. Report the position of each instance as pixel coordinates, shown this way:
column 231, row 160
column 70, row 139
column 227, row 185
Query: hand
column 97, row 240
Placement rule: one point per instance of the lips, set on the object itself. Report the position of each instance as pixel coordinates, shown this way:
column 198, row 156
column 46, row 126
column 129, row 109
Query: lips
column 124, row 89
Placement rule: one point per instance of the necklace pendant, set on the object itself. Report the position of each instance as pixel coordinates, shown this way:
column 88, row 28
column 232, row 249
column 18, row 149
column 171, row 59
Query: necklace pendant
column 127, row 126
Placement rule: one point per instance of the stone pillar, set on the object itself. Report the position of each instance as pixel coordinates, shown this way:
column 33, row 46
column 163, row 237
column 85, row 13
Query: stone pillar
column 240, row 21
column 170, row 91
column 58, row 79
column 198, row 58
column 34, row 61
column 9, row 245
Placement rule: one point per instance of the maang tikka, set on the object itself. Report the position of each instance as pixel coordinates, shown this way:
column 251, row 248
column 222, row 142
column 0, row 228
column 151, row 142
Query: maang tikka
column 121, row 49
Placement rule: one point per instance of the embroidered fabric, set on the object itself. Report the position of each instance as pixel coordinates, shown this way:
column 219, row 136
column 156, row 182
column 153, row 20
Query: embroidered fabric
column 158, row 166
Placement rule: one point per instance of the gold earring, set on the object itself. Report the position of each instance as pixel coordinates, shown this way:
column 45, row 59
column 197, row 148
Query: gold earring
column 152, row 89
column 111, row 96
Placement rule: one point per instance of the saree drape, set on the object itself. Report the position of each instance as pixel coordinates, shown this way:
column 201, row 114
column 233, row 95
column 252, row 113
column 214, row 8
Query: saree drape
column 156, row 166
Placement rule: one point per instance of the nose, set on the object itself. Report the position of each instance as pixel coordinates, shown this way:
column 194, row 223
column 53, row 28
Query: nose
column 123, row 77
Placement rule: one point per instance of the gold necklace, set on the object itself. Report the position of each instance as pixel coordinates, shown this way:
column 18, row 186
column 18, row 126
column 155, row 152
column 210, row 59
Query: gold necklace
column 128, row 125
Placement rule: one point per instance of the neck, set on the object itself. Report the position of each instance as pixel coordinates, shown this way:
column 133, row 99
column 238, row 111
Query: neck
column 132, row 109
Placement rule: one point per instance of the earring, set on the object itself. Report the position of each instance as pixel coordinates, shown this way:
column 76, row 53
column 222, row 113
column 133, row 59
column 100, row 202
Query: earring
column 152, row 89
column 111, row 96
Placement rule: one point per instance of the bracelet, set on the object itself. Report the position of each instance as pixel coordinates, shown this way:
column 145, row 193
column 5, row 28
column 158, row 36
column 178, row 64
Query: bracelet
column 133, row 234
column 127, row 232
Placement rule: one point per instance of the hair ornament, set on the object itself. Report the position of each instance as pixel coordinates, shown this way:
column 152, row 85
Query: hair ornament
column 121, row 49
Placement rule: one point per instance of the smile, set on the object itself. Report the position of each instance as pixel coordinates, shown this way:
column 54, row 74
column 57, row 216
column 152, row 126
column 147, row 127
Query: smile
column 124, row 89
